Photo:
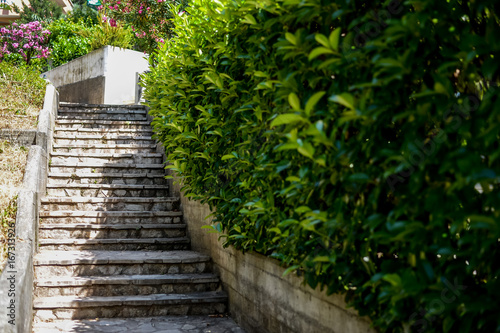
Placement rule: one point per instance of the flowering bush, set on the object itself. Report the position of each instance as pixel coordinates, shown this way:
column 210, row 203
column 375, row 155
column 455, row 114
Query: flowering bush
column 149, row 19
column 27, row 40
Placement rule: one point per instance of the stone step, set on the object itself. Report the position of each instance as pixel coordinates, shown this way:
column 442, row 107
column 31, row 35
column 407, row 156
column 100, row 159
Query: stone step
column 100, row 116
column 106, row 190
column 102, row 130
column 110, row 231
column 103, row 139
column 84, row 167
column 140, row 204
column 73, row 307
column 104, row 148
column 87, row 106
column 111, row 217
column 102, row 113
column 50, row 264
column 122, row 285
column 162, row 324
column 109, row 214
column 106, row 178
column 116, row 244
column 75, row 157
column 107, row 124
column 100, row 110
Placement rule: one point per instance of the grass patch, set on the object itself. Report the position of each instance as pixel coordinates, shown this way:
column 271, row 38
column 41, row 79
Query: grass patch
column 22, row 91
column 12, row 165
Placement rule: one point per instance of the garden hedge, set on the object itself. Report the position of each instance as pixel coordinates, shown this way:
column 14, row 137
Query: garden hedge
column 355, row 141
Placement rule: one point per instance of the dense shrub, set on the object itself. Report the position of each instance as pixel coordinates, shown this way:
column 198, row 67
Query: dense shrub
column 66, row 41
column 356, row 141
column 71, row 38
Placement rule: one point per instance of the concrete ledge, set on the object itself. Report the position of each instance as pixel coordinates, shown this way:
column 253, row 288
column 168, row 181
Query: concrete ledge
column 47, row 118
column 19, row 137
column 16, row 291
column 16, row 281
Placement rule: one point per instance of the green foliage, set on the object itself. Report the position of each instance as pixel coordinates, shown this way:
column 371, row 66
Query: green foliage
column 103, row 34
column 67, row 42
column 150, row 19
column 22, row 90
column 82, row 12
column 38, row 10
column 21, row 81
column 355, row 141
column 70, row 39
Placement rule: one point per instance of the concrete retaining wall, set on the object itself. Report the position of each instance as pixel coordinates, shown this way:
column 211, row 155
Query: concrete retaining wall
column 18, row 137
column 261, row 300
column 16, row 281
column 104, row 76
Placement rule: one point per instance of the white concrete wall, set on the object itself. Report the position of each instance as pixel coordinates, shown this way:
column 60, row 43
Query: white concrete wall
column 119, row 71
column 117, row 66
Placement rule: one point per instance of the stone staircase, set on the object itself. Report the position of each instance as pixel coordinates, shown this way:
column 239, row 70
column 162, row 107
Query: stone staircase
column 112, row 242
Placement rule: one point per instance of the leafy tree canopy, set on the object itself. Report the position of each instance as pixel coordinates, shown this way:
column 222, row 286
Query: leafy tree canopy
column 38, row 10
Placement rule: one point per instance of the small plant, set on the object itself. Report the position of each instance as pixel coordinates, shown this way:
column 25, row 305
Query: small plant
column 104, row 33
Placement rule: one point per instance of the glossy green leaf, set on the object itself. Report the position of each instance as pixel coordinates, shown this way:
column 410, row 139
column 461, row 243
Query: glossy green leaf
column 319, row 51
column 312, row 101
column 287, row 118
column 334, row 39
column 294, row 101
column 322, row 40
column 344, row 99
